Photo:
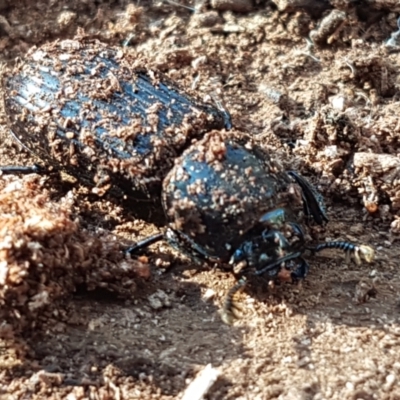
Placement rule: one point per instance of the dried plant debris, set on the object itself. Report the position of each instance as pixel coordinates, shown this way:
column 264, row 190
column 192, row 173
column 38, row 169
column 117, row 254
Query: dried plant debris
column 328, row 27
column 328, row 140
column 45, row 255
column 199, row 387
column 378, row 175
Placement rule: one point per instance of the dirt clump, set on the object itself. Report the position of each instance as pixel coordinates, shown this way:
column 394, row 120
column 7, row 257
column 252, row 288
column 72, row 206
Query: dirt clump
column 314, row 82
column 45, row 256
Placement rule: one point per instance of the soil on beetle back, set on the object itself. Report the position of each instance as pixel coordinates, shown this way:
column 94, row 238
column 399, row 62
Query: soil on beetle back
column 329, row 111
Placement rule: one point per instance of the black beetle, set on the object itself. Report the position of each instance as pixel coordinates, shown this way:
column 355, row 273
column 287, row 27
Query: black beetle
column 90, row 109
column 230, row 202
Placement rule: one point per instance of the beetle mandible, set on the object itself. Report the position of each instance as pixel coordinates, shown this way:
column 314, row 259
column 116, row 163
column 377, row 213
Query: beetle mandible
column 96, row 112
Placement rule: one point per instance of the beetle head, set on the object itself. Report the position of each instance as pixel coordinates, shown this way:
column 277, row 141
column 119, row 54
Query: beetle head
column 274, row 240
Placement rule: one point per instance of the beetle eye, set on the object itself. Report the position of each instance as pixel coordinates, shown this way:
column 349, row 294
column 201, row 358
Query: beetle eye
column 238, row 255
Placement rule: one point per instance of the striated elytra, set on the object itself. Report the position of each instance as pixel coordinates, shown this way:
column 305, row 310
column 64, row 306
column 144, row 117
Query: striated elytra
column 110, row 121
column 103, row 117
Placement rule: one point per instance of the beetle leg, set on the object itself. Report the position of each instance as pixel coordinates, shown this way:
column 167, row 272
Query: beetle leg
column 313, row 200
column 32, row 169
column 276, row 237
column 276, row 263
column 187, row 246
column 359, row 253
column 145, row 243
column 231, row 310
column 267, row 250
column 178, row 241
column 258, row 249
column 301, row 270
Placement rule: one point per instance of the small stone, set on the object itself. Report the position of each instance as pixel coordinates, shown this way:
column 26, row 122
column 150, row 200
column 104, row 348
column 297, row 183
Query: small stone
column 390, row 380
column 338, row 102
column 209, row 294
column 159, row 300
column 303, row 362
column 356, row 229
column 331, row 151
column 66, row 18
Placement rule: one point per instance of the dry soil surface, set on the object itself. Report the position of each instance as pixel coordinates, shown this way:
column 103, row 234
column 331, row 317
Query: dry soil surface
column 330, row 106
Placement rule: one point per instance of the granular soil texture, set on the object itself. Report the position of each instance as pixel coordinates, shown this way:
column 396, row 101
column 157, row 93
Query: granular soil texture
column 315, row 82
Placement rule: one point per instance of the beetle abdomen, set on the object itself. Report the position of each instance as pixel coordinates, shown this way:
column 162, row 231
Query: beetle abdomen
column 101, row 115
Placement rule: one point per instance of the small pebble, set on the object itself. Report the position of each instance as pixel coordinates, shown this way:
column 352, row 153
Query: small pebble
column 209, row 294
column 240, row 6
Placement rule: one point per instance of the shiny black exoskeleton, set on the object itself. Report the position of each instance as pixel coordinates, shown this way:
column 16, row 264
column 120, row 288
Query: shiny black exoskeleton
column 99, row 114
column 84, row 107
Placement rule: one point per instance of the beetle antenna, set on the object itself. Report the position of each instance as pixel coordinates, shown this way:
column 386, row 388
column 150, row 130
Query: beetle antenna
column 360, row 253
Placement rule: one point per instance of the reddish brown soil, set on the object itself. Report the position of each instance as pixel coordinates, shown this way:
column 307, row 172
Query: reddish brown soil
column 337, row 335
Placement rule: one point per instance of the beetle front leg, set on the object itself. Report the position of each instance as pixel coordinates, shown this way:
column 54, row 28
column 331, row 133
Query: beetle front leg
column 179, row 241
column 231, row 309
column 143, row 244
